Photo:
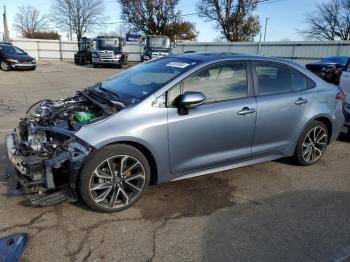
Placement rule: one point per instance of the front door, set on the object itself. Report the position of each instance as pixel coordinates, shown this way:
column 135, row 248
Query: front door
column 218, row 132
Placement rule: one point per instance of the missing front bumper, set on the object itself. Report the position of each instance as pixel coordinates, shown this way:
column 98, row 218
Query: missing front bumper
column 16, row 161
column 54, row 179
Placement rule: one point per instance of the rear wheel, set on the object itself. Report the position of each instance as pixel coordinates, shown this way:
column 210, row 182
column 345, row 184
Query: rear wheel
column 312, row 144
column 114, row 178
column 5, row 66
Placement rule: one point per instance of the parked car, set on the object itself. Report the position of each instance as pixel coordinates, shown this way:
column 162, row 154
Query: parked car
column 169, row 119
column 345, row 86
column 329, row 68
column 12, row 57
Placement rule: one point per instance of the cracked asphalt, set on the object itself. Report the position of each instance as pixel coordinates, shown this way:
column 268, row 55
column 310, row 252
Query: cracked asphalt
column 268, row 212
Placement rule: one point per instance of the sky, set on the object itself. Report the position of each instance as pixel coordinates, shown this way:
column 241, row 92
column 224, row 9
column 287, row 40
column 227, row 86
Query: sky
column 285, row 17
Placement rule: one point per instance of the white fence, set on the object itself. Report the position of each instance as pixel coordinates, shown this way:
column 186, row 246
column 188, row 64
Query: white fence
column 302, row 52
column 47, row 49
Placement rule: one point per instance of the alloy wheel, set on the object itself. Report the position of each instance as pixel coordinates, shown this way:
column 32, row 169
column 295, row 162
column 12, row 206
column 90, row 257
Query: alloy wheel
column 117, row 182
column 314, row 144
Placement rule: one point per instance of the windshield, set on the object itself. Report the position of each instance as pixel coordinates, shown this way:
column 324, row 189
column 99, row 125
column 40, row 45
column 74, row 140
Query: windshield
column 136, row 83
column 336, row 59
column 158, row 42
column 85, row 45
column 109, row 43
column 12, row 50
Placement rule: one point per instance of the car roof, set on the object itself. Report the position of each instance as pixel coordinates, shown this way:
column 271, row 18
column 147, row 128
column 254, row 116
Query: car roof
column 214, row 57
column 1, row 43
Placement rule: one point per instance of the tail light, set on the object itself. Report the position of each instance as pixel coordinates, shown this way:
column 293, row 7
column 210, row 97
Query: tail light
column 340, row 96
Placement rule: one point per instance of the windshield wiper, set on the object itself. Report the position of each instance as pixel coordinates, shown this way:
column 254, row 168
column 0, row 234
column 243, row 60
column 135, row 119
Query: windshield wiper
column 113, row 97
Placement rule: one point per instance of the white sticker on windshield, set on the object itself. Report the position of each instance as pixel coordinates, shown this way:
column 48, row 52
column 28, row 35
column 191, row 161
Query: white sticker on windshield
column 178, row 64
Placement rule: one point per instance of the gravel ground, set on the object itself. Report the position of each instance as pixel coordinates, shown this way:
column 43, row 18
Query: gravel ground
column 268, row 212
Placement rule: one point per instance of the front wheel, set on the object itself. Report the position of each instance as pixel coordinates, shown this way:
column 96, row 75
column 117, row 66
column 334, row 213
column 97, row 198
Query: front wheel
column 312, row 144
column 114, row 178
column 5, row 66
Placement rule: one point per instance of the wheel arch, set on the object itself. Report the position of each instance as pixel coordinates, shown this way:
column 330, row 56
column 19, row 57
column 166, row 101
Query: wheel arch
column 321, row 118
column 149, row 156
column 328, row 123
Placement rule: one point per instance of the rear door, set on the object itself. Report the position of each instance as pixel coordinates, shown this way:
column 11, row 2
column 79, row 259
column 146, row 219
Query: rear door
column 283, row 99
column 345, row 82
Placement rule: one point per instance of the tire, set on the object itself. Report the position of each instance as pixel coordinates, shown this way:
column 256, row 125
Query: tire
column 312, row 144
column 105, row 193
column 5, row 66
column 95, row 65
column 33, row 68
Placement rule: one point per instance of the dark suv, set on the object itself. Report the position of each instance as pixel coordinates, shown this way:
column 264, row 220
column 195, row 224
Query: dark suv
column 12, row 57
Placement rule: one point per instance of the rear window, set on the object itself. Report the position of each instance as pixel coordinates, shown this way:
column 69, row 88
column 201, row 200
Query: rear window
column 273, row 78
column 299, row 81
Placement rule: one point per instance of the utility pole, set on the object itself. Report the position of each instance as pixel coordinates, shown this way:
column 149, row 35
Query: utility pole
column 259, row 49
column 267, row 19
column 6, row 29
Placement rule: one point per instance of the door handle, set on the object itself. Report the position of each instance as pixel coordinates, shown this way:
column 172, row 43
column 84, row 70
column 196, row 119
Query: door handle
column 301, row 101
column 246, row 111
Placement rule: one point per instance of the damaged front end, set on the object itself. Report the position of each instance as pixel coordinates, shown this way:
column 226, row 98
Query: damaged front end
column 44, row 150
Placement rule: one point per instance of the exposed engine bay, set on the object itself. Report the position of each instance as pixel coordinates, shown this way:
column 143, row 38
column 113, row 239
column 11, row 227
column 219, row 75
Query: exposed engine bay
column 46, row 154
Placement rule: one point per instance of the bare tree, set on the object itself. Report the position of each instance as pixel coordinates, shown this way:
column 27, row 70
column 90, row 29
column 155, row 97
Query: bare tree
column 122, row 29
column 157, row 17
column 330, row 21
column 78, row 16
column 29, row 21
column 234, row 18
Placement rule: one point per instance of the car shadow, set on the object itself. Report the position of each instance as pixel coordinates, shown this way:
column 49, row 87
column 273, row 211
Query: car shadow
column 344, row 138
column 292, row 226
column 186, row 198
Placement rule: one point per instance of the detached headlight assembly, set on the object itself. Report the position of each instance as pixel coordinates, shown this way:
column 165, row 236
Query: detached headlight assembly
column 12, row 60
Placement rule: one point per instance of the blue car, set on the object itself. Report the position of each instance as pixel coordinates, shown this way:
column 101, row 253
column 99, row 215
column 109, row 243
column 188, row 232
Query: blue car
column 169, row 119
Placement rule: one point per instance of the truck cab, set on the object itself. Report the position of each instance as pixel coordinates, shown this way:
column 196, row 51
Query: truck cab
column 155, row 46
column 84, row 54
column 108, row 51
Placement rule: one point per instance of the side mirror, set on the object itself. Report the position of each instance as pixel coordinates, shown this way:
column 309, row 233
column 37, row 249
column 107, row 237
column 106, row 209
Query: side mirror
column 192, row 99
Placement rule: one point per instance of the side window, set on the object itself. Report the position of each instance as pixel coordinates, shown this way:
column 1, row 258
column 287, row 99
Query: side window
column 172, row 94
column 219, row 82
column 272, row 78
column 299, row 81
